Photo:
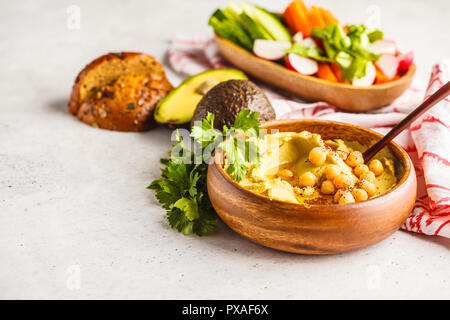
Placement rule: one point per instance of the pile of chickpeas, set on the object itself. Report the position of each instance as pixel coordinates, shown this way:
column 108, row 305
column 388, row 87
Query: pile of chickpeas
column 338, row 183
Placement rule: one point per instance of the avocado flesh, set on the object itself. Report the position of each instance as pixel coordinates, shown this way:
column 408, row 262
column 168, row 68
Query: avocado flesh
column 228, row 98
column 179, row 105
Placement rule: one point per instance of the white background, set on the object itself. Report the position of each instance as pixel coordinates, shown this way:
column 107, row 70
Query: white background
column 76, row 220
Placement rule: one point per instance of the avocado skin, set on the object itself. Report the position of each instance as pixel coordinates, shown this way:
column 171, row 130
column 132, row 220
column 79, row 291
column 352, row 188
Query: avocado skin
column 228, row 98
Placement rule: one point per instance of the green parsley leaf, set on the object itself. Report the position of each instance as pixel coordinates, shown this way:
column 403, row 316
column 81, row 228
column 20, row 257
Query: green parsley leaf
column 205, row 133
column 238, row 153
column 178, row 220
column 235, row 158
column 181, row 189
column 205, row 225
column 189, row 207
column 247, row 123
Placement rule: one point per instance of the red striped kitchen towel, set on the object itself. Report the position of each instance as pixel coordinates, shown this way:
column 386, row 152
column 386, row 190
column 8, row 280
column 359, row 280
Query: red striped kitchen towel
column 427, row 141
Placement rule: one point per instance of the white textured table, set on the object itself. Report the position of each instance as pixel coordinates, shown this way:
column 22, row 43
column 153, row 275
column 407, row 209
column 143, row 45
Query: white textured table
column 76, row 220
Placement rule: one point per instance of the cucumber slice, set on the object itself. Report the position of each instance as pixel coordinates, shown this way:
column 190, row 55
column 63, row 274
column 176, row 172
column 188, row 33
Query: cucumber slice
column 267, row 21
column 239, row 33
column 233, row 11
column 221, row 30
column 220, row 15
column 236, row 13
column 253, row 29
column 231, row 30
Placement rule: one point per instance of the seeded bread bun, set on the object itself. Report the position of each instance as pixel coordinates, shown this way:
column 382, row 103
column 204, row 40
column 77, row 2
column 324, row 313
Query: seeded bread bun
column 119, row 91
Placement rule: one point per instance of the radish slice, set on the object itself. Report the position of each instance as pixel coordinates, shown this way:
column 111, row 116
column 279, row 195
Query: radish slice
column 368, row 79
column 406, row 61
column 301, row 64
column 388, row 64
column 298, row 37
column 270, row 50
column 384, row 47
column 308, row 42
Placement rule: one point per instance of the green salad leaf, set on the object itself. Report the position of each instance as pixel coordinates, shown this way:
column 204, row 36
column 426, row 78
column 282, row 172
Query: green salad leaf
column 313, row 52
column 375, row 35
column 351, row 50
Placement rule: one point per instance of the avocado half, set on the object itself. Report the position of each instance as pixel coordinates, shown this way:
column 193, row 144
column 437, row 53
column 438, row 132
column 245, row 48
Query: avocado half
column 178, row 106
column 228, row 98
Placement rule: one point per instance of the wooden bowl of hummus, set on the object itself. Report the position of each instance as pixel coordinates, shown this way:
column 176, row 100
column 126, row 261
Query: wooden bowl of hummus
column 281, row 215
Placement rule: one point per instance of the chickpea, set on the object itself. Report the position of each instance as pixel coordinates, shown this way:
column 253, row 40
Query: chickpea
column 285, row 174
column 354, row 158
column 369, row 176
column 343, row 181
column 307, row 179
column 342, row 154
column 369, row 187
column 360, row 169
column 338, row 195
column 346, row 198
column 317, row 156
column 327, row 187
column 376, row 167
column 332, row 171
column 360, row 194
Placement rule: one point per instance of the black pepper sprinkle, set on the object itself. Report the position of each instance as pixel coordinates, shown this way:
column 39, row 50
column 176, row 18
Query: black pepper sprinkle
column 108, row 94
column 131, row 106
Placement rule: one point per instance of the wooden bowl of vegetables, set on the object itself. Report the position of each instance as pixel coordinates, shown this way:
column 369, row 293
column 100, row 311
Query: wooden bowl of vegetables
column 313, row 56
column 315, row 228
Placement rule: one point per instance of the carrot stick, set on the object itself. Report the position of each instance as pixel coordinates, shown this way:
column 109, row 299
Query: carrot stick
column 300, row 18
column 328, row 17
column 325, row 72
column 302, row 13
column 287, row 15
column 315, row 18
column 303, row 6
column 380, row 76
column 338, row 73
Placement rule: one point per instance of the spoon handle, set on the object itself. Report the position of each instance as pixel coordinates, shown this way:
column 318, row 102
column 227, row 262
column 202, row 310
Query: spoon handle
column 443, row 92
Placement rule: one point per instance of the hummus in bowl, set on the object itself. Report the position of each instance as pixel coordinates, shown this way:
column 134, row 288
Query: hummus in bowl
column 302, row 168
column 272, row 207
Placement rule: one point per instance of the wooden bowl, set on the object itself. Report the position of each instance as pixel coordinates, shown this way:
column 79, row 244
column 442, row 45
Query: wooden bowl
column 315, row 229
column 343, row 96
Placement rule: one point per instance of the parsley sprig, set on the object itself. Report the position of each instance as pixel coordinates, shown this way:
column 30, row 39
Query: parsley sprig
column 181, row 189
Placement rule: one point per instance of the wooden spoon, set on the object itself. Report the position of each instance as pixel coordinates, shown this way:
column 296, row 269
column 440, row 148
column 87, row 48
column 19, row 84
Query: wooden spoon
column 443, row 92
